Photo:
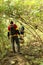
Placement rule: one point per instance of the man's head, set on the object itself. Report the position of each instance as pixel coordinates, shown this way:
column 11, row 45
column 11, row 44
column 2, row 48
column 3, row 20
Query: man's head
column 11, row 22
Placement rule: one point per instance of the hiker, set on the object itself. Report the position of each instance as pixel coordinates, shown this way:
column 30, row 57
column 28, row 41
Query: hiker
column 22, row 33
column 22, row 30
column 13, row 33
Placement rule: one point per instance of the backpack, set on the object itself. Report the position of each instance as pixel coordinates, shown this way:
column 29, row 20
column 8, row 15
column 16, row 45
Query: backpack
column 12, row 30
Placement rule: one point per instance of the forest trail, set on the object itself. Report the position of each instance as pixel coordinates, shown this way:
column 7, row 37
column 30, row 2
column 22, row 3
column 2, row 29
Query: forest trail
column 14, row 59
column 30, row 55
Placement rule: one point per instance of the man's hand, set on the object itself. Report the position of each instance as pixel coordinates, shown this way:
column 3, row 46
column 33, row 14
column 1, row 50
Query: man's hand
column 8, row 35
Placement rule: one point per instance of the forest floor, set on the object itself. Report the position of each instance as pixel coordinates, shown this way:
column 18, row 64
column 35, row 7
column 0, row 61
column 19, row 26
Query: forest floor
column 27, row 57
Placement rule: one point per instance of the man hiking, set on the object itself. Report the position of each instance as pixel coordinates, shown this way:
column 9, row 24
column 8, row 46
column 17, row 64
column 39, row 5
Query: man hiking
column 22, row 30
column 22, row 33
column 13, row 33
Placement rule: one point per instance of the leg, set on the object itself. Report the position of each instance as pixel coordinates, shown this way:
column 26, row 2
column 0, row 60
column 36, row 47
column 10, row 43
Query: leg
column 18, row 44
column 12, row 41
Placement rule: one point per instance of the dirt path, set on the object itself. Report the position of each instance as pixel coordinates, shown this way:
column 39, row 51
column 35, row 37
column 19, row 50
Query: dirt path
column 30, row 56
column 14, row 59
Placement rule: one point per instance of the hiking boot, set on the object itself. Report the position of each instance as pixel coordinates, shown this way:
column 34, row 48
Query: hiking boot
column 19, row 52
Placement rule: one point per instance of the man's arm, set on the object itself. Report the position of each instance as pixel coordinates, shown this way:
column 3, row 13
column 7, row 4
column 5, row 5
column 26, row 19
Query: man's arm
column 8, row 31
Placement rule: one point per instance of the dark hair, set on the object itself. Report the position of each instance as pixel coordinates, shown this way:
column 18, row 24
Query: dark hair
column 11, row 22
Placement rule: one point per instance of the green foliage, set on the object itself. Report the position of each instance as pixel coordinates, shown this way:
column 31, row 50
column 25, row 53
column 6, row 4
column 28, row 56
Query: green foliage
column 26, row 12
